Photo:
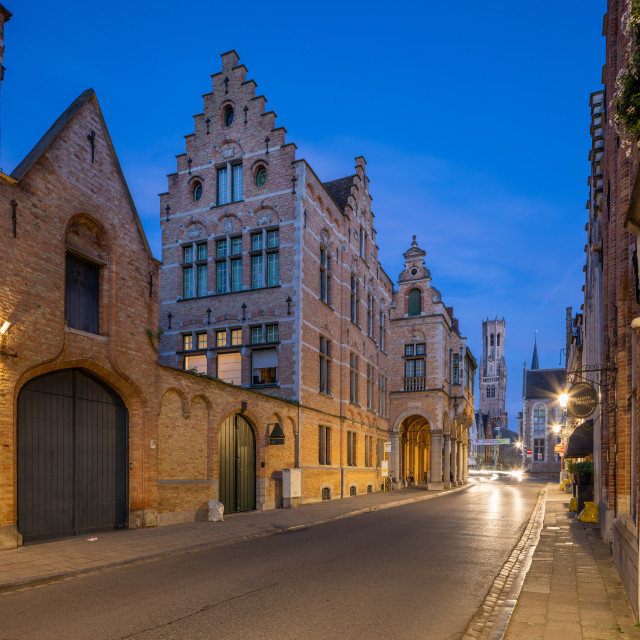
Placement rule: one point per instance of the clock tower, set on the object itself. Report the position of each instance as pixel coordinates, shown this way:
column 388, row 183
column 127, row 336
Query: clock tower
column 493, row 376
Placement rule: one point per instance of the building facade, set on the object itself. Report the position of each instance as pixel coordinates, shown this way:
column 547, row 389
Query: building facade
column 271, row 281
column 261, row 346
column 615, row 204
column 541, row 410
column 492, row 419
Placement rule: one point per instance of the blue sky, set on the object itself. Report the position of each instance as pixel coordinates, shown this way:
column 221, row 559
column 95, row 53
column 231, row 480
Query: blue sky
column 473, row 118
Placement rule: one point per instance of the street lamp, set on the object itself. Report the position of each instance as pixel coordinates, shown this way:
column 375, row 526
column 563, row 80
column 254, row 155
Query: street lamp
column 557, row 428
column 518, row 444
column 5, row 327
column 563, row 398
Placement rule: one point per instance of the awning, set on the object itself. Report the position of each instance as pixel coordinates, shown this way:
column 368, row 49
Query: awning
column 580, row 443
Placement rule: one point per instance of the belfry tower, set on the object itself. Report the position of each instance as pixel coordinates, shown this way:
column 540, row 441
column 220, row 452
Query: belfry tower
column 493, row 376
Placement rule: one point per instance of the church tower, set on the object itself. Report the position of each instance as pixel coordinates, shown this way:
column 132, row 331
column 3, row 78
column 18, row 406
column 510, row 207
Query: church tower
column 493, row 374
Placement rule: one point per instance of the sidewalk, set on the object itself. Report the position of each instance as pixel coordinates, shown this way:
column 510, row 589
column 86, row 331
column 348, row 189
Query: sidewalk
column 49, row 561
column 572, row 590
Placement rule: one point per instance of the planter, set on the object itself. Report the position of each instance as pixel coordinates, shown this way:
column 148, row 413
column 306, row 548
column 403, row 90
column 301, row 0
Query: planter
column 582, row 478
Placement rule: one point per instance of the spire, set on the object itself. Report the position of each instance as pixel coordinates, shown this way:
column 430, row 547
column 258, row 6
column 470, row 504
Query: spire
column 534, row 361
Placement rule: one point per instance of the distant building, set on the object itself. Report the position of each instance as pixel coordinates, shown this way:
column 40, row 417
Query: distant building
column 541, row 410
column 492, row 418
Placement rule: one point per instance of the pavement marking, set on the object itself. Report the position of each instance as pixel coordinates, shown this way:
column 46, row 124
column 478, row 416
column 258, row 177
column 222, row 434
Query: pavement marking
column 492, row 618
column 58, row 576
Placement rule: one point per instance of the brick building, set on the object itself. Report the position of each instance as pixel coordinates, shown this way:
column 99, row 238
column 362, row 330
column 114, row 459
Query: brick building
column 615, row 214
column 279, row 326
column 271, row 280
column 431, row 381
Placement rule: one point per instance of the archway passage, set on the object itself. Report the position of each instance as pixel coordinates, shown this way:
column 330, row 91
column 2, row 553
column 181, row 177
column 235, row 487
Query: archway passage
column 237, row 465
column 72, row 456
column 415, row 448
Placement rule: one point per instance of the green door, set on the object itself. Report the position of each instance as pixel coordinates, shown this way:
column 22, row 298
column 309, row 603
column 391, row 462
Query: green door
column 237, row 465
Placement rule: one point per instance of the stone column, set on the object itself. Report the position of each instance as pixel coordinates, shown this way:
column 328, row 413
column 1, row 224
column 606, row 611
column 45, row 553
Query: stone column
column 465, row 463
column 447, row 461
column 394, row 456
column 454, row 461
column 435, row 475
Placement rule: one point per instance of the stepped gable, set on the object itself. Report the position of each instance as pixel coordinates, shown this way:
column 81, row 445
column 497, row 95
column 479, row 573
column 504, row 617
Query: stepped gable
column 340, row 190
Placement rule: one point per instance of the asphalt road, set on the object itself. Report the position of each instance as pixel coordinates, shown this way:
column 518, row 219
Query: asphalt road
column 417, row 571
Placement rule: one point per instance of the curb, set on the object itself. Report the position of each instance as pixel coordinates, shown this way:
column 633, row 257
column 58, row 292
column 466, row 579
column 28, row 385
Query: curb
column 10, row 587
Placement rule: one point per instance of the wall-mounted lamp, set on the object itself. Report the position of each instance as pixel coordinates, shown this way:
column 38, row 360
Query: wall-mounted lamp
column 563, row 398
column 5, row 327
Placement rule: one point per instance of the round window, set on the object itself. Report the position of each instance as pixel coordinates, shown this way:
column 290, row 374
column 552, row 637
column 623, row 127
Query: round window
column 197, row 191
column 228, row 116
column 414, row 272
column 261, row 177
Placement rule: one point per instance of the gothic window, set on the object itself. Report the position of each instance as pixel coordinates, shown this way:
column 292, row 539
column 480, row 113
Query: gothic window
column 324, row 445
column 369, row 386
column 325, row 276
column 492, row 339
column 539, row 421
column 415, row 302
column 227, row 116
column 355, row 300
column 353, row 378
column 325, row 366
column 498, row 339
column 351, row 449
column 229, row 183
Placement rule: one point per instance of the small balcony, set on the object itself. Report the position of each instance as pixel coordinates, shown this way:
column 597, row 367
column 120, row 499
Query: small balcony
column 415, row 384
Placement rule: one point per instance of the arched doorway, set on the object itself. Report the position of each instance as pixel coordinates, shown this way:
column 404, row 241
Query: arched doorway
column 415, row 448
column 72, row 456
column 237, row 475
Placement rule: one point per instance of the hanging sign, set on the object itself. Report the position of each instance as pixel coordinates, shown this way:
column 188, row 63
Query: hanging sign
column 490, row 442
column 582, row 401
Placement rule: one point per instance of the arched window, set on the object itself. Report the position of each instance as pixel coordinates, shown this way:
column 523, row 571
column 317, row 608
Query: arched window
column 498, row 338
column 492, row 339
column 415, row 302
column 539, row 422
column 539, row 432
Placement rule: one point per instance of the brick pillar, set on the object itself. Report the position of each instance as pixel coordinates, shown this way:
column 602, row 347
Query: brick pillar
column 435, row 477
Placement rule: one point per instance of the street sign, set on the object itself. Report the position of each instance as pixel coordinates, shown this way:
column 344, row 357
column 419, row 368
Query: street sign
column 387, row 447
column 385, row 468
column 559, row 448
column 582, row 400
column 489, row 442
column 529, row 452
